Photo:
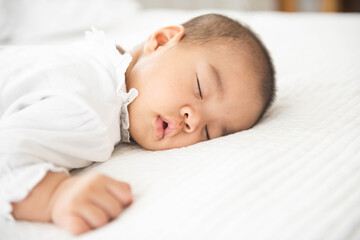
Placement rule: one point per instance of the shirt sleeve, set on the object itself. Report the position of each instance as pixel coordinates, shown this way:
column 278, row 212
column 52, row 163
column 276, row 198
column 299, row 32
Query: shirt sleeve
column 46, row 133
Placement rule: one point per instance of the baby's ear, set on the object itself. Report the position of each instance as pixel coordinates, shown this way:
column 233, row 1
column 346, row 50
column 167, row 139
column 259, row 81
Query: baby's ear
column 168, row 36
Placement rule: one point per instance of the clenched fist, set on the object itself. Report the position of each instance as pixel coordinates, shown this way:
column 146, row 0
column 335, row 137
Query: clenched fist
column 86, row 202
column 77, row 204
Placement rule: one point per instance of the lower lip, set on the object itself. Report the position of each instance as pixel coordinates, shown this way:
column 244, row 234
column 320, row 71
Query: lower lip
column 159, row 129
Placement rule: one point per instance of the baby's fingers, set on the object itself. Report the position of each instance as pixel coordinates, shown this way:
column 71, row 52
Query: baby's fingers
column 74, row 224
column 93, row 215
column 109, row 203
column 120, row 190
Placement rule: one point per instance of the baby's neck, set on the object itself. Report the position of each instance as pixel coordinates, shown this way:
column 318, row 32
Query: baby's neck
column 135, row 54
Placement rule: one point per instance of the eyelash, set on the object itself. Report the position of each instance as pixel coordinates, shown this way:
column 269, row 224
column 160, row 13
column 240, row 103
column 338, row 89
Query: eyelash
column 207, row 133
column 199, row 88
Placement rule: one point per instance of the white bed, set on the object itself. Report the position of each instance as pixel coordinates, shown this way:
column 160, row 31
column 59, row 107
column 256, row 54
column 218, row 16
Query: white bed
column 296, row 175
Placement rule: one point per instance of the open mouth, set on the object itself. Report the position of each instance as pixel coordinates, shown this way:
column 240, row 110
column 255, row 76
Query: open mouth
column 160, row 126
column 165, row 124
column 165, row 128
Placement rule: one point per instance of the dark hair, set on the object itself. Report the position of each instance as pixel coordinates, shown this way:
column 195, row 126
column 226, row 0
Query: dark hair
column 215, row 28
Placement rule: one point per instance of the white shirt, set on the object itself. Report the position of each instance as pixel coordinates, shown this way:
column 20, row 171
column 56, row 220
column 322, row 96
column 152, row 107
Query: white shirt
column 61, row 107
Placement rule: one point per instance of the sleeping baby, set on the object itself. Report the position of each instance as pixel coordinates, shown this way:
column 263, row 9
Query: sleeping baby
column 64, row 107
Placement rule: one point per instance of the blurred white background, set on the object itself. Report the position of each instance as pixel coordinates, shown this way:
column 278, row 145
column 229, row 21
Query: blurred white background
column 260, row 5
column 29, row 21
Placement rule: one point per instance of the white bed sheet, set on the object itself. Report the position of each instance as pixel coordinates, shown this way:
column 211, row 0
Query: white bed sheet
column 296, row 175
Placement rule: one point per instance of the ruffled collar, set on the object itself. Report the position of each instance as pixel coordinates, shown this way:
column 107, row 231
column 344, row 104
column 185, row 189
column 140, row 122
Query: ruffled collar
column 121, row 63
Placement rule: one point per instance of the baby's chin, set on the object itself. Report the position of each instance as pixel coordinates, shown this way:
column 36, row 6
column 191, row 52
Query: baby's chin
column 152, row 146
column 160, row 146
column 144, row 144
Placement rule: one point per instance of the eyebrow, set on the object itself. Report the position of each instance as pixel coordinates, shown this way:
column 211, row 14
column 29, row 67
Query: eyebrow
column 219, row 84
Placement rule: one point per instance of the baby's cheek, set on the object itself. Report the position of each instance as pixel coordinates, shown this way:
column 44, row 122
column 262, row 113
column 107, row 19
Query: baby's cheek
column 167, row 97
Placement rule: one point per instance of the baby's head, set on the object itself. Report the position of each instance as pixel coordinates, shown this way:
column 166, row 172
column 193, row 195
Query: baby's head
column 201, row 80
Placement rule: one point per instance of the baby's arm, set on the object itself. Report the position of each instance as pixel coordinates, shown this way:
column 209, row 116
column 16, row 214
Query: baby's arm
column 76, row 203
column 47, row 134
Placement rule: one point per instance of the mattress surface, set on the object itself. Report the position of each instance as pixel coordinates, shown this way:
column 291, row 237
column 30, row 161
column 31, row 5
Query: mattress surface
column 296, row 175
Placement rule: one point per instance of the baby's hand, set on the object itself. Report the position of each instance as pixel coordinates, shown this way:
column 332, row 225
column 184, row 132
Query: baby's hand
column 86, row 202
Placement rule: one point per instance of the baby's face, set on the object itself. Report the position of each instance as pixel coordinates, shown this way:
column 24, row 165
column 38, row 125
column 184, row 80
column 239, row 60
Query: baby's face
column 189, row 94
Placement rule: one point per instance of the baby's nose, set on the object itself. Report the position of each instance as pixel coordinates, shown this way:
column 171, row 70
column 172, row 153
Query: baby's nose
column 191, row 119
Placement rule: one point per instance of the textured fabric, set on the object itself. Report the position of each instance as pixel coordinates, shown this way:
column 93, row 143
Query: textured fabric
column 61, row 107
